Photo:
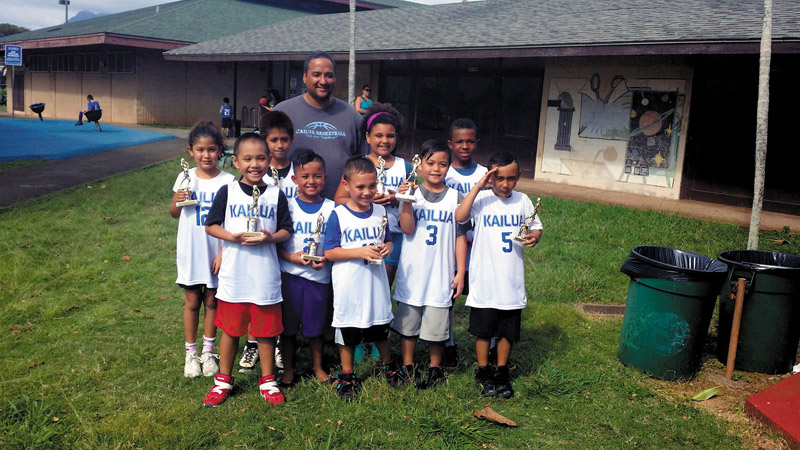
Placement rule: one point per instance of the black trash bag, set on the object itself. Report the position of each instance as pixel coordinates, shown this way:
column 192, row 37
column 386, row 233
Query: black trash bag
column 673, row 265
column 763, row 261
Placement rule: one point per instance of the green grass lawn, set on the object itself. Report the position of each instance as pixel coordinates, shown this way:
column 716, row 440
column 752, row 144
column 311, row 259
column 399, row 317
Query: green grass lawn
column 92, row 342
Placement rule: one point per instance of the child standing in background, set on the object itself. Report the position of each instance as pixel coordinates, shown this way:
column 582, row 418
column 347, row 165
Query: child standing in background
column 197, row 251
column 226, row 116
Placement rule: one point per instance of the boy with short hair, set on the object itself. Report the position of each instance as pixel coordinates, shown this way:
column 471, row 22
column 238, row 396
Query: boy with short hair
column 249, row 288
column 362, row 309
column 497, row 295
column 278, row 130
column 306, row 283
column 226, row 116
column 91, row 105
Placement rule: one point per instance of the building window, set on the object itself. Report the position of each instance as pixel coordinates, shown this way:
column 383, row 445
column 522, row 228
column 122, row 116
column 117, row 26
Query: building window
column 121, row 62
column 87, row 62
column 63, row 63
column 39, row 63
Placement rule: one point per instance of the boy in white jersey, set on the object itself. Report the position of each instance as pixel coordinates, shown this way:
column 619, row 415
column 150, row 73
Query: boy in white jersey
column 249, row 289
column 306, row 284
column 426, row 286
column 357, row 241
column 462, row 175
column 278, row 130
column 497, row 295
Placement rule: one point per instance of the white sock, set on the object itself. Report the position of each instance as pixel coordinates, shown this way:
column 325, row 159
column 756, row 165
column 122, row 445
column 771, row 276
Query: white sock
column 190, row 348
column 208, row 344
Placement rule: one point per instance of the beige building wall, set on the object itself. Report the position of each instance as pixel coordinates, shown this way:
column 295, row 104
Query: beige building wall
column 617, row 124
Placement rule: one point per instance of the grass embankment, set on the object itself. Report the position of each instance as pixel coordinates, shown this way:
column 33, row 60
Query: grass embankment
column 92, row 342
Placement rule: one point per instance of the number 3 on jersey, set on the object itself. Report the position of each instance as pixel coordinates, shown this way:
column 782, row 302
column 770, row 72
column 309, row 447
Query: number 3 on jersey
column 433, row 229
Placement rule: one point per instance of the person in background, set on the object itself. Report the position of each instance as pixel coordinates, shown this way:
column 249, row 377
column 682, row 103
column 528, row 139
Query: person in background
column 364, row 101
column 92, row 105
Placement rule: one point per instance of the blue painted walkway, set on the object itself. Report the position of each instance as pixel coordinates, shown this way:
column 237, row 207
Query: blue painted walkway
column 22, row 139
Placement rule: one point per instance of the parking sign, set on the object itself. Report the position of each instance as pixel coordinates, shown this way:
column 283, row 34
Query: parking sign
column 13, row 55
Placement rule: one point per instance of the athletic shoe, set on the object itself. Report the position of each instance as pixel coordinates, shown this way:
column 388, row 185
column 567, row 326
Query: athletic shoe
column 249, row 358
column 78, row 123
column 358, row 354
column 502, row 383
column 395, row 376
column 347, row 388
column 210, row 366
column 278, row 358
column 270, row 391
column 191, row 365
column 222, row 387
column 450, row 360
column 435, row 377
column 485, row 380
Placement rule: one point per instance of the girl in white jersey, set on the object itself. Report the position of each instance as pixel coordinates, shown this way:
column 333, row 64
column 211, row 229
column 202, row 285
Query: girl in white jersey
column 196, row 251
column 497, row 295
column 426, row 285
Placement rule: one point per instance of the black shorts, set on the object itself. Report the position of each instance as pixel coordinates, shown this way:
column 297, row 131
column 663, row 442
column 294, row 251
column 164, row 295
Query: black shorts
column 194, row 287
column 227, row 122
column 354, row 336
column 486, row 323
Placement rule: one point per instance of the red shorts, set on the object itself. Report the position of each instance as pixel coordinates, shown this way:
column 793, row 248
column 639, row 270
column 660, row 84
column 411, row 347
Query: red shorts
column 264, row 321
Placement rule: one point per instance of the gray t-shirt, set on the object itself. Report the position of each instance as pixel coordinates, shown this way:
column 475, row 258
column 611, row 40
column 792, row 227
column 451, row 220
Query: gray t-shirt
column 332, row 132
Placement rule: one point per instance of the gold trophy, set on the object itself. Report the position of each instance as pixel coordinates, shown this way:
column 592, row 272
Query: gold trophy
column 523, row 228
column 412, row 182
column 381, row 175
column 252, row 216
column 313, row 241
column 275, row 176
column 380, row 237
column 185, row 185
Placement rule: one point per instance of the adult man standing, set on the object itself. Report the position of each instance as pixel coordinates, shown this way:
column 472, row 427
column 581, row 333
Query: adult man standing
column 323, row 123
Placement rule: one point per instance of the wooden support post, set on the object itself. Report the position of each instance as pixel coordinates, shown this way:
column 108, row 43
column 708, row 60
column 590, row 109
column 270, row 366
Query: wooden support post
column 737, row 322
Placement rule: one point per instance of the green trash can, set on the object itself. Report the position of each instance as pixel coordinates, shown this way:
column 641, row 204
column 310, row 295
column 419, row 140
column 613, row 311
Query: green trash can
column 670, row 302
column 770, row 327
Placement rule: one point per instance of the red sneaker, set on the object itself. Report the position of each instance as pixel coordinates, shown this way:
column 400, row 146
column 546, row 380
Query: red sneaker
column 270, row 390
column 222, row 386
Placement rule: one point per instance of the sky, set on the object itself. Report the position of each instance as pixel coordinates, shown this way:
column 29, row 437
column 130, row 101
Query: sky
column 35, row 14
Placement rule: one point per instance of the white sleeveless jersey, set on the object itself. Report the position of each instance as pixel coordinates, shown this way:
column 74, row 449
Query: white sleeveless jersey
column 428, row 260
column 250, row 274
column 463, row 183
column 196, row 250
column 304, row 225
column 395, row 176
column 286, row 184
column 496, row 269
column 360, row 289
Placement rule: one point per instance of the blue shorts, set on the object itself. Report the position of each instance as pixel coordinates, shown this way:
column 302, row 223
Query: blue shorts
column 306, row 304
column 397, row 245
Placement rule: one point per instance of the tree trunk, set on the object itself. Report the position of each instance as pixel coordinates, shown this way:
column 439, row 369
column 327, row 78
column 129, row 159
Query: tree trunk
column 351, row 73
column 762, row 116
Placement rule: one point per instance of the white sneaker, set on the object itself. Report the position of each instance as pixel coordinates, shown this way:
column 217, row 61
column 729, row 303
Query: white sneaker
column 191, row 367
column 249, row 358
column 278, row 358
column 210, row 366
column 796, row 368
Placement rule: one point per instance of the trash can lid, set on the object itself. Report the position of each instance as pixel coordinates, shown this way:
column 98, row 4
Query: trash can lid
column 763, row 261
column 672, row 264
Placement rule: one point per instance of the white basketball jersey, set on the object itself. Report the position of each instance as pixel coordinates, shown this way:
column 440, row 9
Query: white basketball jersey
column 196, row 250
column 463, row 183
column 395, row 176
column 428, row 260
column 496, row 269
column 250, row 274
column 360, row 289
column 304, row 225
column 286, row 184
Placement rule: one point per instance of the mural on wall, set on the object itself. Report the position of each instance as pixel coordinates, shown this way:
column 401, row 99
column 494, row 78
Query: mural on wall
column 622, row 130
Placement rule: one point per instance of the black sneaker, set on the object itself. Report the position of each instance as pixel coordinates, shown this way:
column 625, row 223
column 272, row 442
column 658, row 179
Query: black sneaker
column 450, row 360
column 435, row 377
column 502, row 382
column 395, row 376
column 347, row 388
column 485, row 379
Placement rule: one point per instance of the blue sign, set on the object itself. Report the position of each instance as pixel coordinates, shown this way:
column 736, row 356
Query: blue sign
column 13, row 55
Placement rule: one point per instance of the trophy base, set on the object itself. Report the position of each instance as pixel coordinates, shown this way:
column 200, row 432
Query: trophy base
column 405, row 198
column 519, row 239
column 312, row 258
column 376, row 261
column 186, row 203
column 252, row 234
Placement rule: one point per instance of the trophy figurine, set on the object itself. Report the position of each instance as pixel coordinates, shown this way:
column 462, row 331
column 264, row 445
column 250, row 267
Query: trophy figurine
column 313, row 241
column 275, row 176
column 185, row 185
column 380, row 237
column 381, row 175
column 412, row 182
column 523, row 228
column 252, row 216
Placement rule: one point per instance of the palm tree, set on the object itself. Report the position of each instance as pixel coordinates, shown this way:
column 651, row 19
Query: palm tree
column 351, row 74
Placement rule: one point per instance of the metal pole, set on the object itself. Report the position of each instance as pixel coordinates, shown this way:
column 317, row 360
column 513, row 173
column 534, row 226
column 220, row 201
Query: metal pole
column 13, row 106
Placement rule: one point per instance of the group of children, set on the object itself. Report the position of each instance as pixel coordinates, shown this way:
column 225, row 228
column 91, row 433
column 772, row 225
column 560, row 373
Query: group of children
column 267, row 284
